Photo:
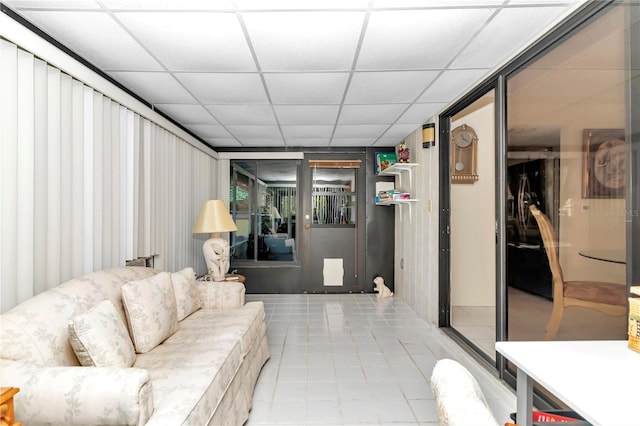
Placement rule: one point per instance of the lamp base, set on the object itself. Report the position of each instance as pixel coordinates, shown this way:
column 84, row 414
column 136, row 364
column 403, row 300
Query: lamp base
column 216, row 256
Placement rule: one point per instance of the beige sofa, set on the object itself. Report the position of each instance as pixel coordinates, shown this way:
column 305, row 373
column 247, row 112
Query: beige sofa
column 203, row 373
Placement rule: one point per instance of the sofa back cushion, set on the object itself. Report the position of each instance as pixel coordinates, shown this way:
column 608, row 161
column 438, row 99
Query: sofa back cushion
column 36, row 331
column 186, row 292
column 99, row 338
column 150, row 306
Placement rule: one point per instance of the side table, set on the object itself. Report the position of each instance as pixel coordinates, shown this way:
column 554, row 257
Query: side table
column 234, row 277
column 227, row 278
column 227, row 294
column 7, row 416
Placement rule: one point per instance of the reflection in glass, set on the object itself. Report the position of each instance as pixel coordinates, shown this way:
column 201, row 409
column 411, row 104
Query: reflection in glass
column 263, row 202
column 333, row 196
column 566, row 155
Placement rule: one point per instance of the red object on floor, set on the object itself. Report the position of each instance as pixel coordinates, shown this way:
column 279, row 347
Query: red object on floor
column 541, row 416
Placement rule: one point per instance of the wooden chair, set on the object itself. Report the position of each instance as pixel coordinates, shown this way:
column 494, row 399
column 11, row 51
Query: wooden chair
column 609, row 298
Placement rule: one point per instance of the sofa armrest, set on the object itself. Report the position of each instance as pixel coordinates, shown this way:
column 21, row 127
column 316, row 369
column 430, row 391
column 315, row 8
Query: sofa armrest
column 79, row 395
column 221, row 294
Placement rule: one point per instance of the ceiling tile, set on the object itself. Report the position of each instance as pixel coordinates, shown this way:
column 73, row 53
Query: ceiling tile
column 491, row 47
column 96, row 37
column 352, row 141
column 307, row 114
column 360, row 130
column 434, row 3
column 371, row 114
column 209, row 131
column 301, row 5
column 388, row 87
column 419, row 113
column 253, row 142
column 539, row 2
column 314, row 131
column 54, row 4
column 220, row 142
column 169, row 4
column 243, row 114
column 306, row 88
column 450, row 84
column 146, row 85
column 390, row 141
column 187, row 114
column 225, row 88
column 262, row 132
column 413, row 39
column 400, row 130
column 220, row 46
column 308, row 141
column 304, row 41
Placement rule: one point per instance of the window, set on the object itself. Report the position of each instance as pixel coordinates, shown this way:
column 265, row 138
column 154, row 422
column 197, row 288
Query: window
column 263, row 202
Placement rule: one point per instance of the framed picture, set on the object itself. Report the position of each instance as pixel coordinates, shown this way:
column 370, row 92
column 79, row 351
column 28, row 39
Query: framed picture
column 604, row 170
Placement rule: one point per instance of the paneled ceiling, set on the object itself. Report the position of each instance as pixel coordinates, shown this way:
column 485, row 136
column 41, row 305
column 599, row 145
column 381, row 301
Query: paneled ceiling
column 290, row 73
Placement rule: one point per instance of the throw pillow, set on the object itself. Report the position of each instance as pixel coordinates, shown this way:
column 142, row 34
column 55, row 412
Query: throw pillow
column 99, row 338
column 186, row 292
column 151, row 311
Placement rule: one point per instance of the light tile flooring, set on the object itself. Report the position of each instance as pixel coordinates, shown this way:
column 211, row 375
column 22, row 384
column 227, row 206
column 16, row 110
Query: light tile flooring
column 355, row 359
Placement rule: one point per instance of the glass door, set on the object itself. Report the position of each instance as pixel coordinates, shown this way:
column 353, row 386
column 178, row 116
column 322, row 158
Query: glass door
column 472, row 234
column 331, row 226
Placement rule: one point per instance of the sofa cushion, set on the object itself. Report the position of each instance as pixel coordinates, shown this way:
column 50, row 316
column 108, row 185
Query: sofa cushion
column 150, row 306
column 47, row 316
column 99, row 338
column 186, row 292
column 211, row 325
column 189, row 381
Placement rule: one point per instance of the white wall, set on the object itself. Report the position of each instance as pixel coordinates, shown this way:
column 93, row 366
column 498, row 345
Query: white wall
column 416, row 259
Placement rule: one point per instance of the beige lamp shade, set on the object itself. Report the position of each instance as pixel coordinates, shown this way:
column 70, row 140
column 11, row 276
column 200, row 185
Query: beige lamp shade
column 214, row 217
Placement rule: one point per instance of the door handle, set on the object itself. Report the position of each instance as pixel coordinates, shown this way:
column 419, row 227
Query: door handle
column 307, row 226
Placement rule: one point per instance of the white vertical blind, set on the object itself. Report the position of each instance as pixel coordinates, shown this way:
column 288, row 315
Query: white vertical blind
column 41, row 175
column 87, row 183
column 53, row 177
column 25, row 164
column 8, row 169
column 87, row 177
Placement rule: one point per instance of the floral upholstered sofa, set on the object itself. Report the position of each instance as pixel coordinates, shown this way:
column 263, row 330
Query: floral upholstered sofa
column 134, row 346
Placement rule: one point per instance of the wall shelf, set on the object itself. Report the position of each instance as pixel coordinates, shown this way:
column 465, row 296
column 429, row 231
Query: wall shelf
column 400, row 203
column 397, row 169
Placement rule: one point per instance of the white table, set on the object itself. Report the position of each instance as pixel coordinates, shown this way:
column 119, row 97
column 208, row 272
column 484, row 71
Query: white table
column 597, row 379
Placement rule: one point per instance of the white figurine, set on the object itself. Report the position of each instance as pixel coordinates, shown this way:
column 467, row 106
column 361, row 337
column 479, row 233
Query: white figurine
column 381, row 288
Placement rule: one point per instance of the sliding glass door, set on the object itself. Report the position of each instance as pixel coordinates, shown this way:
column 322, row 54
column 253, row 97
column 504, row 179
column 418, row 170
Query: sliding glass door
column 472, row 237
column 556, row 244
column 568, row 156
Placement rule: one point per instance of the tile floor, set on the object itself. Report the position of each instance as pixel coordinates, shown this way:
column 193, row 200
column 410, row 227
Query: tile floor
column 355, row 359
column 528, row 316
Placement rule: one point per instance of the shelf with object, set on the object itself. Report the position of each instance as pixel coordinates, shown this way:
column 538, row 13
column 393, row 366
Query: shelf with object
column 398, row 169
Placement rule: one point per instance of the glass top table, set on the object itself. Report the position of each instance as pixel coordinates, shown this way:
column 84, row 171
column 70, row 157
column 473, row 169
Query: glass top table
column 606, row 255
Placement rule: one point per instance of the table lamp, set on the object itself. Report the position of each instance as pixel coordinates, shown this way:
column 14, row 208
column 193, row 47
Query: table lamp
column 215, row 218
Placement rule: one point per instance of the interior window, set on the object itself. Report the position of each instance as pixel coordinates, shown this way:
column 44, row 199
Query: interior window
column 263, row 202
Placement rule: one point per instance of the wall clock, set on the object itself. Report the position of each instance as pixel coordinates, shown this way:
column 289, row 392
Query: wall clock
column 464, row 155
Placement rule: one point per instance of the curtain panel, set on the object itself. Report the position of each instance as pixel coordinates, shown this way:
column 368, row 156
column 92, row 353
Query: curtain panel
column 87, row 183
